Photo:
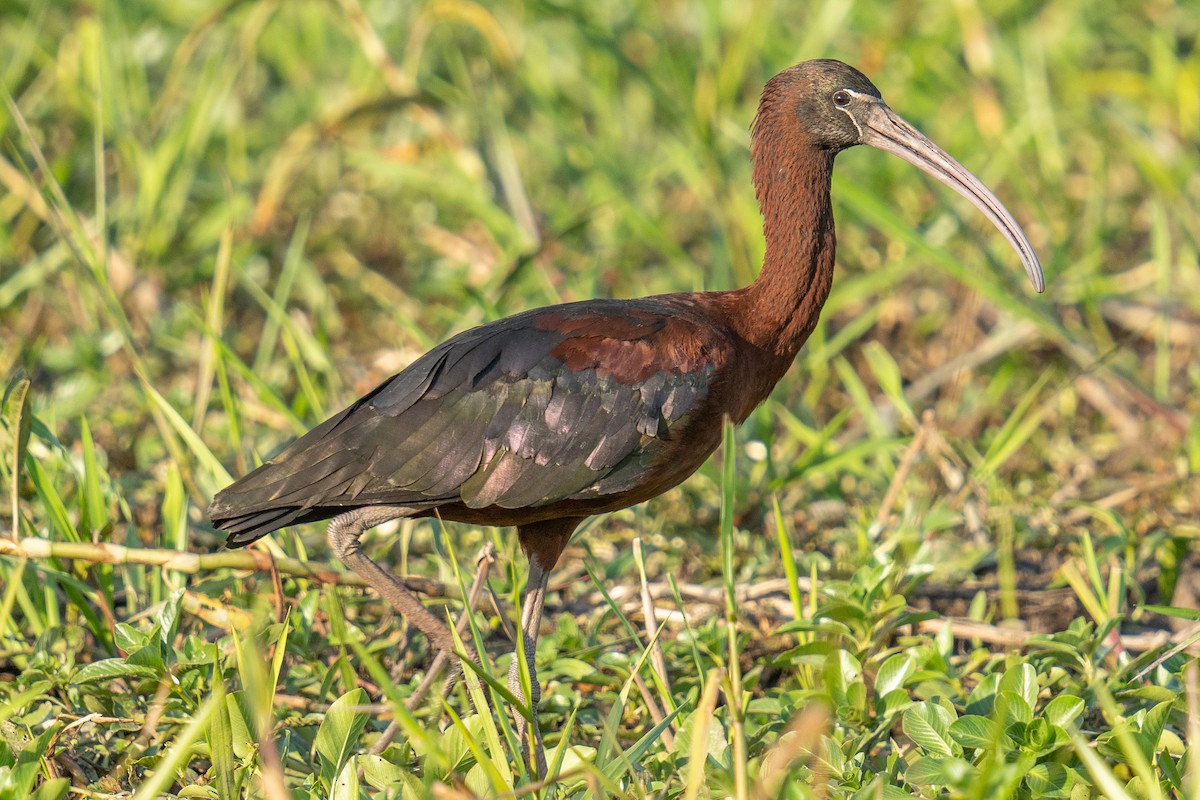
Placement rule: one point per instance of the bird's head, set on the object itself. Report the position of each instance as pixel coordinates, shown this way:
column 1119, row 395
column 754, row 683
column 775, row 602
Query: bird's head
column 824, row 99
column 831, row 106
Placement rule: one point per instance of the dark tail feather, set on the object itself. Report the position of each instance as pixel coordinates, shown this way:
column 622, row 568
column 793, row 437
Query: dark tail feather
column 307, row 482
column 246, row 528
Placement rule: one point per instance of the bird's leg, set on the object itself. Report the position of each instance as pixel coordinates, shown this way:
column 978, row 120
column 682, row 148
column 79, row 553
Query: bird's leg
column 344, row 533
column 543, row 543
column 484, row 561
column 531, row 620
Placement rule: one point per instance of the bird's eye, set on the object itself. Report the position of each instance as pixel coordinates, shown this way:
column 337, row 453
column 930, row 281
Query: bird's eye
column 842, row 98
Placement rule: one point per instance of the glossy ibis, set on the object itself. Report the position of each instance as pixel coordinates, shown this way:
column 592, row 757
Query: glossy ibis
column 542, row 419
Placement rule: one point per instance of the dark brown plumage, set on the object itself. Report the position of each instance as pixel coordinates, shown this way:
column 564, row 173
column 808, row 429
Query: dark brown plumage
column 547, row 417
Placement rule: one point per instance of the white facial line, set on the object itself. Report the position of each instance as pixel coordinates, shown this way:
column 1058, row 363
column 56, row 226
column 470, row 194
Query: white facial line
column 846, row 110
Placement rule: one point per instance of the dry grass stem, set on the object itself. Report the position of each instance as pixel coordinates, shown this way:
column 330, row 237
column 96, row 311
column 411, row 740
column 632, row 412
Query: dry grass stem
column 801, row 740
column 650, row 622
column 1015, row 639
column 252, row 560
column 906, row 464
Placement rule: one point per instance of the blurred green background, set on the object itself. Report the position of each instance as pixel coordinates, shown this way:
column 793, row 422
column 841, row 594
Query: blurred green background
column 221, row 222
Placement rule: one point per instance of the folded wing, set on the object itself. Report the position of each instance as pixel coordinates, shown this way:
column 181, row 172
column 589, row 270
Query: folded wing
column 569, row 402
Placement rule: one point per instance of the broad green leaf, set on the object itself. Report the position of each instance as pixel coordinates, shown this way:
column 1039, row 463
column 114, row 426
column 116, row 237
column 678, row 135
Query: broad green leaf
column 1152, row 728
column 976, row 732
column 150, row 657
column 1170, row 743
column 856, row 696
column 892, row 702
column 17, row 780
column 168, row 618
column 451, row 745
column 983, row 697
column 1021, row 680
column 18, row 783
column 832, row 755
column 14, row 703
column 1063, row 710
column 477, row 782
column 841, row 669
column 715, row 739
column 928, row 725
column 1049, row 779
column 894, row 672
column 878, row 790
column 417, row 734
column 573, row 668
column 54, row 789
column 1171, row 769
column 128, row 638
column 383, row 774
column 109, row 668
column 490, row 758
column 338, row 736
column 1039, row 735
column 1013, row 708
column 935, row 771
column 346, row 785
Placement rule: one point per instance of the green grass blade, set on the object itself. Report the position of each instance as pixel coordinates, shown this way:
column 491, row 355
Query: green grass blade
column 178, row 754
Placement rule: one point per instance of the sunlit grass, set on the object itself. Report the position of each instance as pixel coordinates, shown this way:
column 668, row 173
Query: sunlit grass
column 219, row 224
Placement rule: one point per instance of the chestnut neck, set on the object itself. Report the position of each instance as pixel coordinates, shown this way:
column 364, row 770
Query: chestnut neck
column 779, row 311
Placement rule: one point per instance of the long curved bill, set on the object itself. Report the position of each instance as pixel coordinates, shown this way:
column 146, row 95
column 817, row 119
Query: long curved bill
column 887, row 131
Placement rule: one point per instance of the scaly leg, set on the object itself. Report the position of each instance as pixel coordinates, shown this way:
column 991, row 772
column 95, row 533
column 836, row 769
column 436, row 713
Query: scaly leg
column 344, row 533
column 543, row 543
column 531, row 620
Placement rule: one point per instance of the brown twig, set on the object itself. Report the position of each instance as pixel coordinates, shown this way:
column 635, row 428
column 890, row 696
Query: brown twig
column 771, row 593
column 150, row 732
column 277, row 589
column 906, row 464
column 656, row 714
column 1183, row 640
column 193, row 563
column 1096, row 394
column 1118, row 498
column 1012, row 637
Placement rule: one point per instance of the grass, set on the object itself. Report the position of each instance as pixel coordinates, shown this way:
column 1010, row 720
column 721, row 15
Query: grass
column 941, row 560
